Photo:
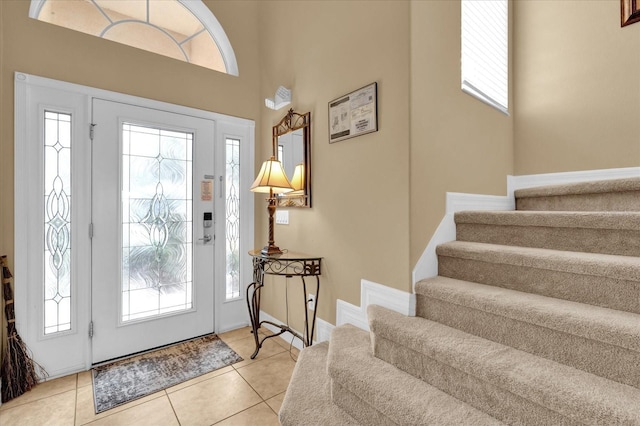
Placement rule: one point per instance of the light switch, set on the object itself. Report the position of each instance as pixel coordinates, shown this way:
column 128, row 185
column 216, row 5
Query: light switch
column 282, row 217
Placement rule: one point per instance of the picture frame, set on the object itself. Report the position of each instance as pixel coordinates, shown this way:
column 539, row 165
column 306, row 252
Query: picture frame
column 354, row 114
column 629, row 12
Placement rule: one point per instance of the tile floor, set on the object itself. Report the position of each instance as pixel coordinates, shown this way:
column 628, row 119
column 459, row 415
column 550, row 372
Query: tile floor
column 246, row 393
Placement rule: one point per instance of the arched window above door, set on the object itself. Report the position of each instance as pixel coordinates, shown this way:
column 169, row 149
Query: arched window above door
column 180, row 29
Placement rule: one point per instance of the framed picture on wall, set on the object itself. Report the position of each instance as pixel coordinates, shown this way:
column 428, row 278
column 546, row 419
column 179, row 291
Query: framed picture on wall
column 354, row 114
column 629, row 12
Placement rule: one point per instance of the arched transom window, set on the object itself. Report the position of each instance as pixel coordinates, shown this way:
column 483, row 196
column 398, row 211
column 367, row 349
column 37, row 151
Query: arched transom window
column 180, row 29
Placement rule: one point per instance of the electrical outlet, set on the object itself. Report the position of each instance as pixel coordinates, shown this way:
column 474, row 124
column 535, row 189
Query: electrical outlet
column 311, row 301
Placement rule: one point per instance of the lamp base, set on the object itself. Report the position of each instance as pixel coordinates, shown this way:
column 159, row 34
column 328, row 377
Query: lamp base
column 271, row 250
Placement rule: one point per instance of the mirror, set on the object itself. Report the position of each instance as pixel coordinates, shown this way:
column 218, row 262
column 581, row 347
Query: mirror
column 292, row 146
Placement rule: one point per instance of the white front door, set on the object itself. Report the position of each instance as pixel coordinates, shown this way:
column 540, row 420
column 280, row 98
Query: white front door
column 152, row 214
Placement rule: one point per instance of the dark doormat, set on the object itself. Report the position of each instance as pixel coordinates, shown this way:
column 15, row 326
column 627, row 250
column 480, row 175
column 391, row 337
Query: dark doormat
column 125, row 380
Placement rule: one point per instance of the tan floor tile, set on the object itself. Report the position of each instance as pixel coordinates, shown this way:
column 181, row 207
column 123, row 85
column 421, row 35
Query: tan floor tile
column 85, row 409
column 157, row 412
column 237, row 334
column 246, row 346
column 260, row 414
column 271, row 376
column 199, row 379
column 43, row 390
column 213, row 400
column 276, row 402
column 85, row 378
column 54, row 410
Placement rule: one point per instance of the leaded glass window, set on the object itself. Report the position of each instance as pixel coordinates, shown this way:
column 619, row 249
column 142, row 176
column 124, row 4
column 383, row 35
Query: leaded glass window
column 180, row 29
column 232, row 208
column 57, row 222
column 157, row 226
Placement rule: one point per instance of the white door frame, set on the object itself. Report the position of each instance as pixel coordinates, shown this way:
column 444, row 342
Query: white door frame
column 28, row 224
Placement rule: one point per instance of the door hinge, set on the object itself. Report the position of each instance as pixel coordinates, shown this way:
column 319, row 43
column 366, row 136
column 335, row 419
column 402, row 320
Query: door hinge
column 91, row 130
column 90, row 230
column 91, row 330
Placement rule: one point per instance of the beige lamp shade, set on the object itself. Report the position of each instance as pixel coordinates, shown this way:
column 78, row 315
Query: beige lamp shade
column 272, row 178
column 297, row 181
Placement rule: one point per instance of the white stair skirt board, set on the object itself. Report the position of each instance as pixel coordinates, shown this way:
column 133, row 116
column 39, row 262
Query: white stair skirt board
column 427, row 265
column 322, row 331
column 374, row 294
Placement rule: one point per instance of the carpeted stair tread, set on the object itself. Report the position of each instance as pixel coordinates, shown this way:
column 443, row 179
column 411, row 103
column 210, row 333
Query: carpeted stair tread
column 608, row 281
column 554, row 219
column 597, row 264
column 308, row 397
column 581, row 188
column 615, row 233
column 577, row 396
column 592, row 322
column 606, row 195
column 389, row 392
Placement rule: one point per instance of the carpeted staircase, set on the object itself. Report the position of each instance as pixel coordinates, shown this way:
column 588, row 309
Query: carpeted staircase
column 534, row 319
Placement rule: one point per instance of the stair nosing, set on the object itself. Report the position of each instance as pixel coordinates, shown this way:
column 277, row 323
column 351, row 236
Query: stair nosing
column 434, row 391
column 579, row 324
column 616, row 220
column 579, row 263
column 490, row 372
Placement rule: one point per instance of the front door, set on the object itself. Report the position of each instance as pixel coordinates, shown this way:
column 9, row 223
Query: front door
column 152, row 214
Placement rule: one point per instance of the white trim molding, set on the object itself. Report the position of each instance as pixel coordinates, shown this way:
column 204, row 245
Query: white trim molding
column 374, row 294
column 427, row 265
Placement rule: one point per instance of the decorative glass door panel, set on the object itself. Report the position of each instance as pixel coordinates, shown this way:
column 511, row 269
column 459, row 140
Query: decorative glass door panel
column 57, row 222
column 153, row 273
column 157, row 225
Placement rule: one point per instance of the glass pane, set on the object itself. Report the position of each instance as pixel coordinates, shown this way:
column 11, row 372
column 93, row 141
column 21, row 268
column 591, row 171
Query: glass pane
column 156, row 203
column 232, row 208
column 57, row 222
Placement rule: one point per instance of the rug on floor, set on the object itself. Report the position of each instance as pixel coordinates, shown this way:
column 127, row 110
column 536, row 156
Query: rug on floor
column 125, row 380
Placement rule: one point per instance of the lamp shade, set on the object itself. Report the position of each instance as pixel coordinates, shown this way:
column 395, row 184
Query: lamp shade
column 297, row 181
column 271, row 178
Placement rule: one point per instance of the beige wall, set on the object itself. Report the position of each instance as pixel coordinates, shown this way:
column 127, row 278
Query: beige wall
column 458, row 144
column 577, row 91
column 50, row 51
column 359, row 220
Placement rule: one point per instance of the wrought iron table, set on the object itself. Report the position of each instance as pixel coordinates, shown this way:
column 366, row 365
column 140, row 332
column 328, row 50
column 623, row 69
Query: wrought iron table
column 289, row 264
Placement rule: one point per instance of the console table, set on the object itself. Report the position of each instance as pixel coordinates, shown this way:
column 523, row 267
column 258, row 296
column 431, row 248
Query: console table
column 289, row 264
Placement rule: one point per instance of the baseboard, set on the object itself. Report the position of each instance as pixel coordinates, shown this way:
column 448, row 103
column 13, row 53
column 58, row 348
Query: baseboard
column 322, row 332
column 374, row 294
column 427, row 265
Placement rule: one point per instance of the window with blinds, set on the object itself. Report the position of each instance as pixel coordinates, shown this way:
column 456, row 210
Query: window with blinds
column 485, row 47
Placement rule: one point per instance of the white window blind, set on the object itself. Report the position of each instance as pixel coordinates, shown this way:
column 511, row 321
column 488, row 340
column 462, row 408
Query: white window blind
column 485, row 58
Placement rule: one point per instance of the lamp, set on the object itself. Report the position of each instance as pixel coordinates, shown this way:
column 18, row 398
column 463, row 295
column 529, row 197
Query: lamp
column 297, row 181
column 271, row 180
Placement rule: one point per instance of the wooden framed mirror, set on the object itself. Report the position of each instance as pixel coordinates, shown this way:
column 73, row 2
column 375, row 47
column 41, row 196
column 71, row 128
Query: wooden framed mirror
column 292, row 146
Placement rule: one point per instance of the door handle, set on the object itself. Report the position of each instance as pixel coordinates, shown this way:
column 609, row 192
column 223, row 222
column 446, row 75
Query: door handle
column 206, row 238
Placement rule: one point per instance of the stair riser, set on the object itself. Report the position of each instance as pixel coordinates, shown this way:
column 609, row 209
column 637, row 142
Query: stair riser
column 623, row 242
column 593, row 290
column 610, row 201
column 602, row 359
column 487, row 397
column 358, row 409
